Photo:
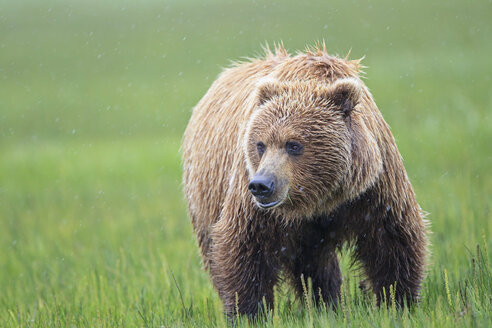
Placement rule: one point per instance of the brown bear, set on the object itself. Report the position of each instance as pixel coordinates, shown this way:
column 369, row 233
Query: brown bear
column 285, row 160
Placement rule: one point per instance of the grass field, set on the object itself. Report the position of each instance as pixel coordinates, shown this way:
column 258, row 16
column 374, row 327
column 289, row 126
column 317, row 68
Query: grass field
column 94, row 99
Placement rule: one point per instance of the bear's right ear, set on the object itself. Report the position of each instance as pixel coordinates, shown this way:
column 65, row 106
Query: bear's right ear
column 267, row 88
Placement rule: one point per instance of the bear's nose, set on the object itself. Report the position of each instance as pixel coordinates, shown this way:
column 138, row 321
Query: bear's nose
column 262, row 186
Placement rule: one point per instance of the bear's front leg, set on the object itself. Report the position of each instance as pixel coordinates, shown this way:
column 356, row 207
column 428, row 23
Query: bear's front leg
column 241, row 269
column 393, row 254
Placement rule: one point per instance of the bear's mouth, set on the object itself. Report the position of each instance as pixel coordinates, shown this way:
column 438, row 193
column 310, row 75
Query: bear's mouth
column 268, row 205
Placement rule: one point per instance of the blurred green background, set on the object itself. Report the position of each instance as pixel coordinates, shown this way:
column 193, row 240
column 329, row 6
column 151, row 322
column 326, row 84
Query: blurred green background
column 94, row 99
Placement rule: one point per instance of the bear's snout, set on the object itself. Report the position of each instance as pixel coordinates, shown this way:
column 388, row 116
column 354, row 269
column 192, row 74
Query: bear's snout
column 262, row 186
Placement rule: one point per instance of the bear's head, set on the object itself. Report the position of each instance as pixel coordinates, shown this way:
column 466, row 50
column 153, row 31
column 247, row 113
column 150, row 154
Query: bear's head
column 305, row 145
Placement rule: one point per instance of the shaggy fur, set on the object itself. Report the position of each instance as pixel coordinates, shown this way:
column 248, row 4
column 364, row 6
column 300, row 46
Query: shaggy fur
column 348, row 185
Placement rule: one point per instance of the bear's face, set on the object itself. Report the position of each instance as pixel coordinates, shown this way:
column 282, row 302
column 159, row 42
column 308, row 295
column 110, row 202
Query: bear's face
column 298, row 145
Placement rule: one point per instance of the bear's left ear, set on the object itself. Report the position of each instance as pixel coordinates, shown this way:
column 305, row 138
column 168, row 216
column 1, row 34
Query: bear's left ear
column 345, row 94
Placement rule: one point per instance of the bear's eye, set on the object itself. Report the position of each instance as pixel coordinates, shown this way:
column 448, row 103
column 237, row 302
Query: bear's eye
column 293, row 148
column 260, row 146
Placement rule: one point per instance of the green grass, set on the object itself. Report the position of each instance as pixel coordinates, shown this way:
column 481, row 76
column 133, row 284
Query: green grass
column 94, row 98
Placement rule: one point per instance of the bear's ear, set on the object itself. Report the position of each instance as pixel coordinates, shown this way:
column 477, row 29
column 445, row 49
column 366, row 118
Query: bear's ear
column 267, row 88
column 345, row 94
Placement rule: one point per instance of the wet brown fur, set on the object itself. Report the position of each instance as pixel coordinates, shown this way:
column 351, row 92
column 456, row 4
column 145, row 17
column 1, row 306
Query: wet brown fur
column 349, row 185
